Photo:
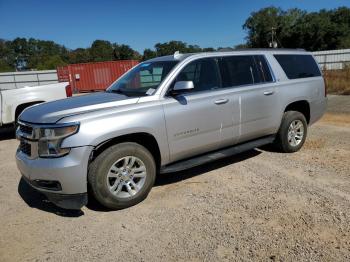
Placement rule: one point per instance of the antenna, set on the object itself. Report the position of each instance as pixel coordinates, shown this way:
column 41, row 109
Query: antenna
column 177, row 54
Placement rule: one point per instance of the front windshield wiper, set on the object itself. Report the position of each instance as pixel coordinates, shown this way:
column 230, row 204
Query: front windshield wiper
column 117, row 91
column 129, row 93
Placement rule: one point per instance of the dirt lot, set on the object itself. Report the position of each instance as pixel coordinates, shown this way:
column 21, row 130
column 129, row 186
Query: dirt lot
column 260, row 205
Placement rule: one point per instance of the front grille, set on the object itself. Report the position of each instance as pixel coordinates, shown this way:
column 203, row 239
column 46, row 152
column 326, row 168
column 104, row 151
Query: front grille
column 26, row 129
column 25, row 148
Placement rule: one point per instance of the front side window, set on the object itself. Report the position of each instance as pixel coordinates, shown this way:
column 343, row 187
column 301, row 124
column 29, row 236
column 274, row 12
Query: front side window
column 142, row 80
column 298, row 66
column 203, row 73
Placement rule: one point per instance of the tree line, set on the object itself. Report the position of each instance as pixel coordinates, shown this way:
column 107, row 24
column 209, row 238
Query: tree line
column 293, row 28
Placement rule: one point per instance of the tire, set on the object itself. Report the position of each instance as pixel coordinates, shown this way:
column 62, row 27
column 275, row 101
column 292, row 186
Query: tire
column 284, row 142
column 107, row 168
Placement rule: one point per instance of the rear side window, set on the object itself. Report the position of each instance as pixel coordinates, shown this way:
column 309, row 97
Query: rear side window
column 298, row 66
column 244, row 70
column 238, row 70
column 263, row 69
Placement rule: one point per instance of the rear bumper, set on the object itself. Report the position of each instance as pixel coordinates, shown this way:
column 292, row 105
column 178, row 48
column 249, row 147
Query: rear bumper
column 317, row 110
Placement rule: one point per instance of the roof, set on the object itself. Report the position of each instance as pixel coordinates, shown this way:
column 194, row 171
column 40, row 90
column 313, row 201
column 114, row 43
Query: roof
column 179, row 57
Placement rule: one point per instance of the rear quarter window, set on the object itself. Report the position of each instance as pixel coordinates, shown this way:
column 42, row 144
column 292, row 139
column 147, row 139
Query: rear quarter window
column 298, row 66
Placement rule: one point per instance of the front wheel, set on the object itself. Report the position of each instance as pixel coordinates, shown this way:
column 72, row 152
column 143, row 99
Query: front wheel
column 122, row 175
column 292, row 133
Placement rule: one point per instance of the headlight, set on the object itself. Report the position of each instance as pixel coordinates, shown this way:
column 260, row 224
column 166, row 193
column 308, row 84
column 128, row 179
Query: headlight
column 50, row 140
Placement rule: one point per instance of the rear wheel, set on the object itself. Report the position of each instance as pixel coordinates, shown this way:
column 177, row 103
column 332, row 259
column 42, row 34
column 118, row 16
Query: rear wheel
column 292, row 133
column 122, row 175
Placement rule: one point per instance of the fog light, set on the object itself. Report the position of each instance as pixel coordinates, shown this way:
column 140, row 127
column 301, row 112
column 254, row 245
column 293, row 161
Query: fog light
column 47, row 184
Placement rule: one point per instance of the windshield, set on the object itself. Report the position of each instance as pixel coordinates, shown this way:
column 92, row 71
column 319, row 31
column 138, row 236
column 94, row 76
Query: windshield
column 142, row 80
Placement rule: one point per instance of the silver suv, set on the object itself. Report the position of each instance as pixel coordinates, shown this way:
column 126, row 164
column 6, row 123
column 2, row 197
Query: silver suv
column 165, row 115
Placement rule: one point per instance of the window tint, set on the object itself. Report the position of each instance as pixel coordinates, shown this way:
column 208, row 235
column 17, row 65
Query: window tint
column 238, row 70
column 203, row 73
column 298, row 66
column 263, row 68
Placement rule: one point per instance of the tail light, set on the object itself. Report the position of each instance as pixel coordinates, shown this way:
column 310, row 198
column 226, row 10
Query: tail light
column 69, row 92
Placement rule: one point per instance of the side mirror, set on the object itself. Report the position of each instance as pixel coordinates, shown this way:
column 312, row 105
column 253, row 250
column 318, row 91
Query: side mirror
column 183, row 86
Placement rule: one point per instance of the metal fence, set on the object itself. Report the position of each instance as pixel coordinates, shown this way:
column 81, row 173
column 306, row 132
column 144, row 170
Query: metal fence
column 12, row 80
column 333, row 59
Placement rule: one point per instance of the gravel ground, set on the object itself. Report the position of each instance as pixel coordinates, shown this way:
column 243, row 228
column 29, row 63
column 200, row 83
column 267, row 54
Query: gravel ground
column 260, row 205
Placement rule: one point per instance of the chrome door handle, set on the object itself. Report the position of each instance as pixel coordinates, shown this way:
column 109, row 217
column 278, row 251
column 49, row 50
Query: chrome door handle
column 268, row 93
column 221, row 101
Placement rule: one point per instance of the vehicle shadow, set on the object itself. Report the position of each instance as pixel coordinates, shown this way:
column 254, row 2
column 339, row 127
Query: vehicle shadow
column 7, row 132
column 270, row 148
column 170, row 178
column 165, row 179
column 35, row 199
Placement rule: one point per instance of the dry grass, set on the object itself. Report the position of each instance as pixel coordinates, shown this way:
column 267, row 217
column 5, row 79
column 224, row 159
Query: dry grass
column 313, row 144
column 338, row 81
column 336, row 119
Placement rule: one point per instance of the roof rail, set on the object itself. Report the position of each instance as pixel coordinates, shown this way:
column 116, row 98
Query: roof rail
column 229, row 49
column 226, row 49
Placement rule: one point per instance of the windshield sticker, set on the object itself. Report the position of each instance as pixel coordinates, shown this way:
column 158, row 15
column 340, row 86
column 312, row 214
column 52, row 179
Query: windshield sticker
column 146, row 64
column 150, row 91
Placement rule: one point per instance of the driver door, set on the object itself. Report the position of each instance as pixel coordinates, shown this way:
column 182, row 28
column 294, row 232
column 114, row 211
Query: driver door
column 197, row 120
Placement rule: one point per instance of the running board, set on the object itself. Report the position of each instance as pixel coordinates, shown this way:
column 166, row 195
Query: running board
column 212, row 156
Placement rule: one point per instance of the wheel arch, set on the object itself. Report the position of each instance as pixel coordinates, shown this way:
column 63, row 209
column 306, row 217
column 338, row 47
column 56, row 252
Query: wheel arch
column 145, row 139
column 302, row 106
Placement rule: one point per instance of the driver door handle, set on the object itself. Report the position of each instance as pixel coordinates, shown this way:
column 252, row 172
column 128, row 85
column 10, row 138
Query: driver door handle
column 221, row 101
column 268, row 93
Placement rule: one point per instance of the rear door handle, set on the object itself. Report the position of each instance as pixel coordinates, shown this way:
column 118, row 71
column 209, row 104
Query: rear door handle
column 221, row 101
column 268, row 93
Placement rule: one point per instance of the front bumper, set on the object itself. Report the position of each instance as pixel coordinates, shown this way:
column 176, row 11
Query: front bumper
column 67, row 201
column 69, row 172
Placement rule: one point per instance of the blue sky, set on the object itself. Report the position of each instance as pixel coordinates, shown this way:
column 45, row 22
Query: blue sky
column 140, row 24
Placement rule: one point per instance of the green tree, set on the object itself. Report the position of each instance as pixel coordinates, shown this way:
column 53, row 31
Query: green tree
column 51, row 62
column 294, row 28
column 7, row 56
column 259, row 26
column 101, row 50
column 148, row 54
column 169, row 48
column 79, row 55
column 125, row 52
column 5, row 67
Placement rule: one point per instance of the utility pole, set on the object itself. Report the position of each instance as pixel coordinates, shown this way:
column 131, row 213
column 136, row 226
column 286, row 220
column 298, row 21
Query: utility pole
column 273, row 43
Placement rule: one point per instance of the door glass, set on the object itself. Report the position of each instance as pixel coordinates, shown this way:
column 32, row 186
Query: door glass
column 203, row 73
column 263, row 69
column 298, row 66
column 238, row 71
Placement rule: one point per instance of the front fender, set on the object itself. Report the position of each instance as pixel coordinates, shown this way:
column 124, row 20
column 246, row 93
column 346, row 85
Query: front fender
column 99, row 129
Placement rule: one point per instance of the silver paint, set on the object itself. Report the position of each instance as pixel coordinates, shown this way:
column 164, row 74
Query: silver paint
column 220, row 118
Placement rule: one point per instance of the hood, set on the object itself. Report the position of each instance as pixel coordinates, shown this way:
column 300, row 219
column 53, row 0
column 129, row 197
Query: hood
column 51, row 112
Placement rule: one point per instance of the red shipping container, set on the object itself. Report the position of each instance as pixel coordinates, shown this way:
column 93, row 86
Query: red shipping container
column 88, row 77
